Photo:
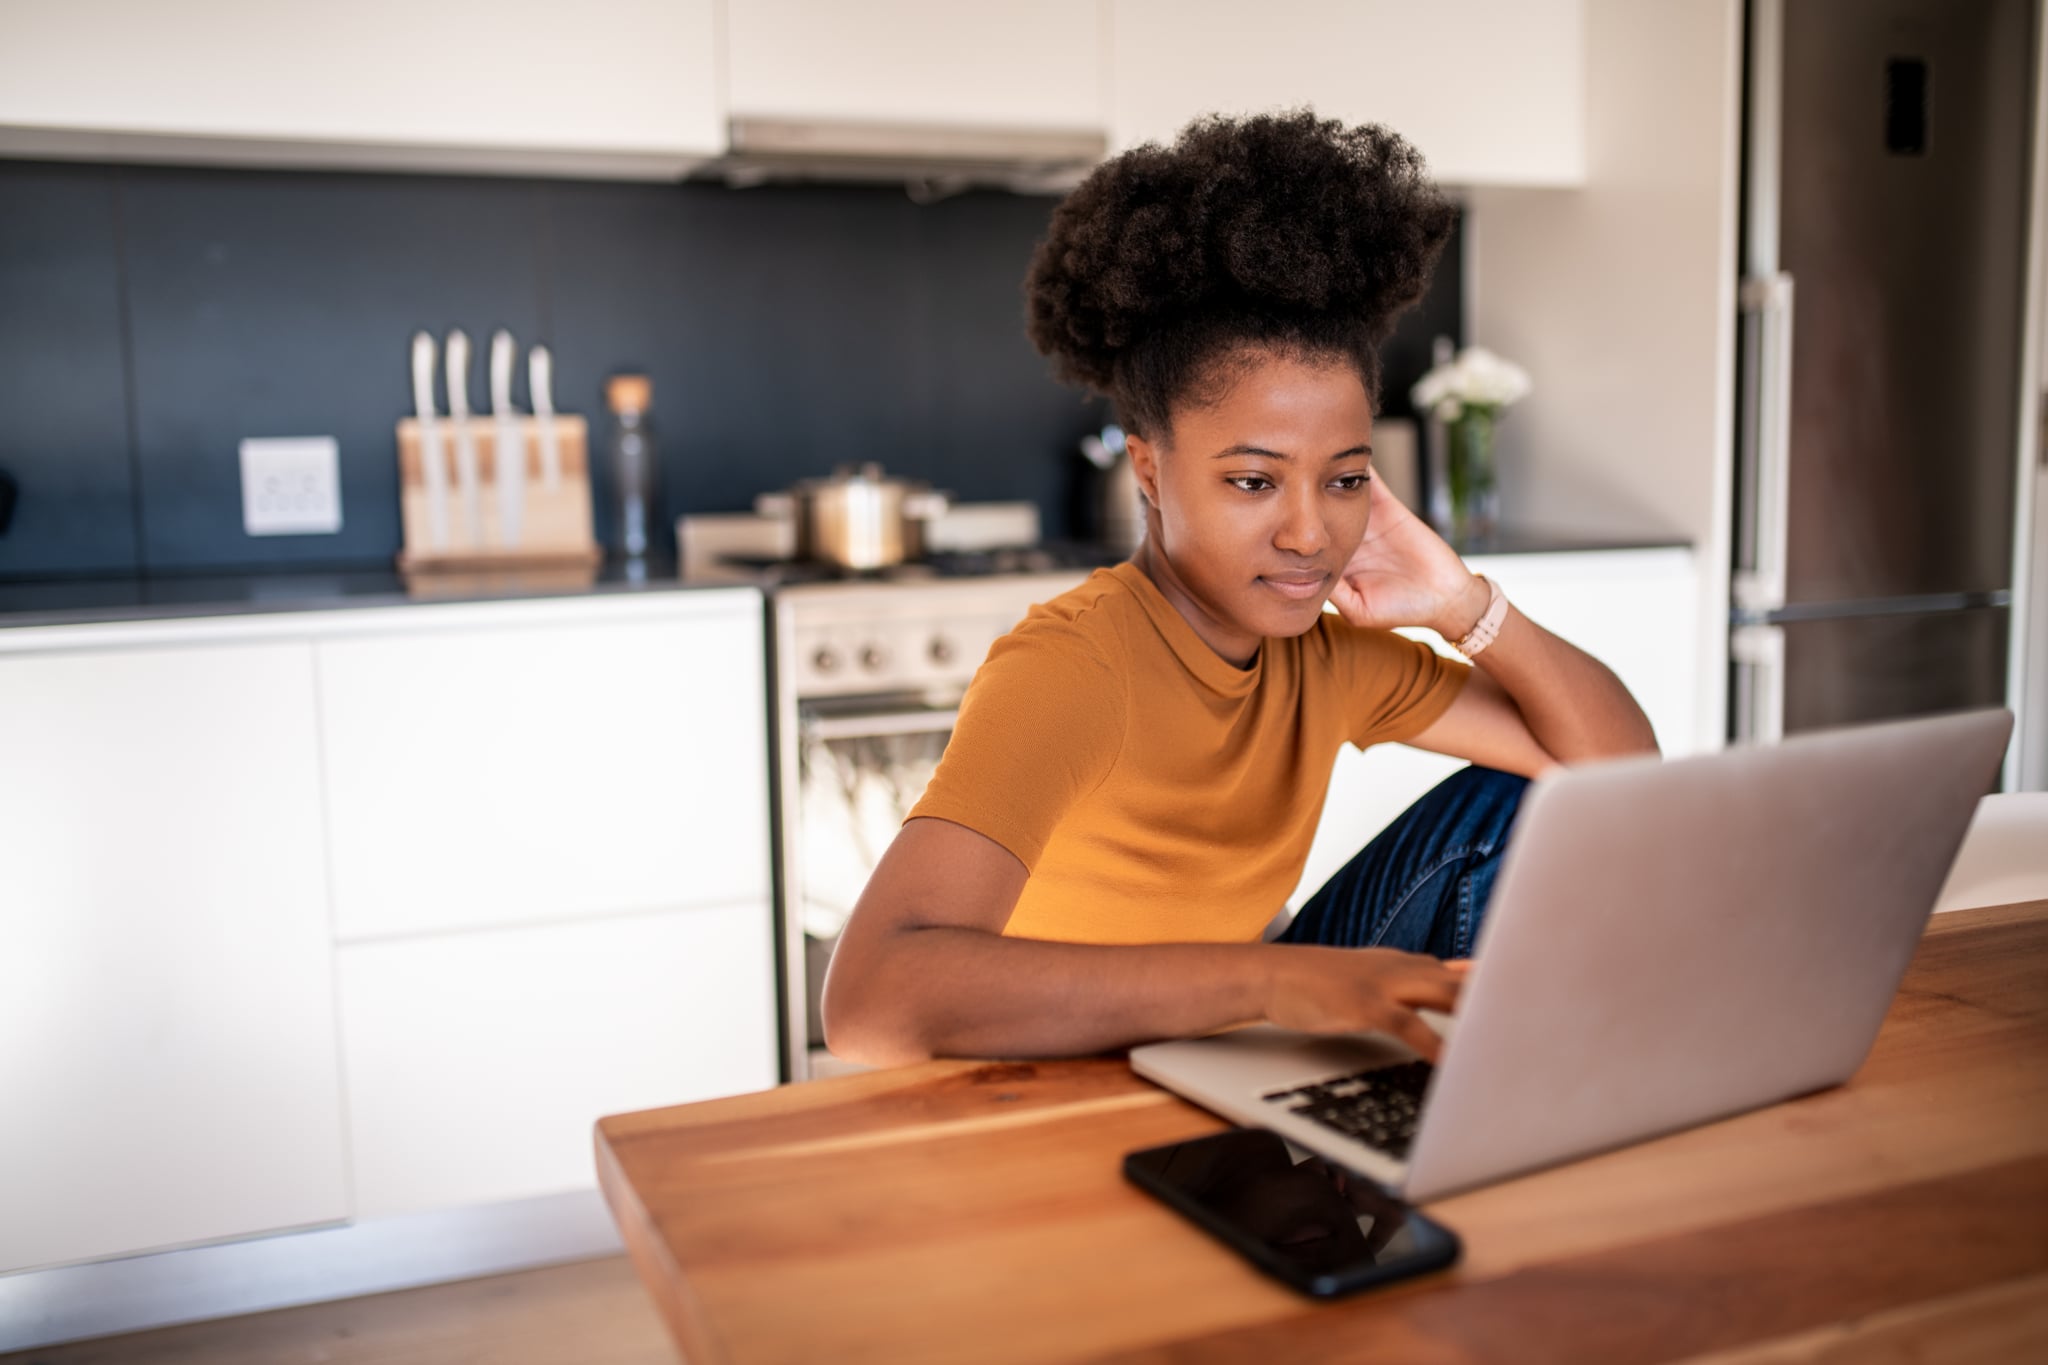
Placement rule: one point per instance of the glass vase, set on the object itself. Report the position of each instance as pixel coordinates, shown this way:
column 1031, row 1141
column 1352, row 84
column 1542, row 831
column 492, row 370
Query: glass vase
column 1475, row 498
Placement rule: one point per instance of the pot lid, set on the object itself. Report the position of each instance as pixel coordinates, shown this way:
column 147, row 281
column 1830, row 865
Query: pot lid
column 868, row 472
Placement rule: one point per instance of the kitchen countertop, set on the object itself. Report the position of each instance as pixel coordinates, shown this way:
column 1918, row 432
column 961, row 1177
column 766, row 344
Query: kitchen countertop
column 169, row 597
column 1526, row 540
column 70, row 601
column 1897, row 1217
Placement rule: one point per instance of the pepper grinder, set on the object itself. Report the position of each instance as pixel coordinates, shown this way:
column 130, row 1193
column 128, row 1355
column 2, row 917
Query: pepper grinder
column 635, row 476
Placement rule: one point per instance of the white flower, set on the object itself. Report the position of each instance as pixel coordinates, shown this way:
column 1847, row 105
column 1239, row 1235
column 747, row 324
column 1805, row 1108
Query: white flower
column 1478, row 377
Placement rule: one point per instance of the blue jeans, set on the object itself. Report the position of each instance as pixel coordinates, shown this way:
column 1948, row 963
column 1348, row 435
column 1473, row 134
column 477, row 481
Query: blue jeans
column 1423, row 882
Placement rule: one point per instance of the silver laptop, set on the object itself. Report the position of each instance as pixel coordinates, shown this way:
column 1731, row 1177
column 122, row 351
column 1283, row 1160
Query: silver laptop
column 1668, row 943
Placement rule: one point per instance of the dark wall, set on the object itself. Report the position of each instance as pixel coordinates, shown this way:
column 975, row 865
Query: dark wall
column 152, row 318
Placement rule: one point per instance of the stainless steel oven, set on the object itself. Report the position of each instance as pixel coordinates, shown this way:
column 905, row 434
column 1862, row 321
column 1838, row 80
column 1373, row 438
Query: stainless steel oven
column 867, row 672
column 868, row 681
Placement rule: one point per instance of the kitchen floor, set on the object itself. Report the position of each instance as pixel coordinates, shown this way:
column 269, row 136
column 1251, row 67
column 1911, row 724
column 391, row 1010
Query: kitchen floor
column 587, row 1313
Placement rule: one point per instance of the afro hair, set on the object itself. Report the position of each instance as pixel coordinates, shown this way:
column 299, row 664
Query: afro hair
column 1169, row 266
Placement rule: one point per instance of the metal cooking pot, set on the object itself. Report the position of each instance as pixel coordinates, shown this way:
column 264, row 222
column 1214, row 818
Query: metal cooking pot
column 858, row 518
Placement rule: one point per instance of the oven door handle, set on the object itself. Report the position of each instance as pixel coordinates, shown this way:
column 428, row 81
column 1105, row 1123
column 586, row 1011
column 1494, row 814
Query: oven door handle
column 829, row 728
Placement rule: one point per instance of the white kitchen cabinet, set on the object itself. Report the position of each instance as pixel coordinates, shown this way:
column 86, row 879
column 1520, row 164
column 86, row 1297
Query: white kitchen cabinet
column 506, row 770
column 1010, row 63
column 606, row 87
column 478, row 1062
column 1491, row 91
column 168, row 1065
column 1634, row 610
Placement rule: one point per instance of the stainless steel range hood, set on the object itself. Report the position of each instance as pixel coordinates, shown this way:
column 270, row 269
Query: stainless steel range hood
column 936, row 157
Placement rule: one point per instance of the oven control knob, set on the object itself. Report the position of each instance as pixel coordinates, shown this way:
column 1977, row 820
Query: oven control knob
column 941, row 650
column 826, row 660
column 872, row 658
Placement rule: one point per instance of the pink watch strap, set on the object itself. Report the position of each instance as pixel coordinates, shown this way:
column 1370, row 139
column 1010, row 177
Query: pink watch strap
column 1489, row 621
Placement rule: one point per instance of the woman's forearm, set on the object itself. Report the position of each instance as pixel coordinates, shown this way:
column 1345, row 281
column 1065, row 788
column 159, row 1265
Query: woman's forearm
column 906, row 994
column 1574, row 705
column 944, row 991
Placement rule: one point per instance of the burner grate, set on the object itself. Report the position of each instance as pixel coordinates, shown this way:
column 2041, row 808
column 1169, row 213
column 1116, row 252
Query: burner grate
column 1053, row 557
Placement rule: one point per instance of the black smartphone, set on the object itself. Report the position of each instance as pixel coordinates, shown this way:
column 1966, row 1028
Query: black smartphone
column 1305, row 1221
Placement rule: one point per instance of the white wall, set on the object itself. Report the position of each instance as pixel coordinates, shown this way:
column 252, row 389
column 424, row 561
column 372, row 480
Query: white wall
column 1490, row 91
column 1619, row 298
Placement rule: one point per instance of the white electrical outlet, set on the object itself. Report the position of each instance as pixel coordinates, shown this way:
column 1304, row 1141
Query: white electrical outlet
column 291, row 486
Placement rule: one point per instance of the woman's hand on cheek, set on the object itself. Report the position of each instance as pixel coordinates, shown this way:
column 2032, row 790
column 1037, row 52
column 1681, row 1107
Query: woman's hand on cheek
column 1403, row 574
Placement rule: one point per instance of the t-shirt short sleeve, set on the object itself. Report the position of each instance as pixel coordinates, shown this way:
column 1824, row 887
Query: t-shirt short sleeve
column 1040, row 728
column 1400, row 685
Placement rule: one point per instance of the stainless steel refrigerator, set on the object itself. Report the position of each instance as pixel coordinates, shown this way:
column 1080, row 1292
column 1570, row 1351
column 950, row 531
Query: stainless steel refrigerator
column 1884, row 264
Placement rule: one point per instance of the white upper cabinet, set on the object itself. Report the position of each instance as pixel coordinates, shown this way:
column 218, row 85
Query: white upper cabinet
column 604, row 87
column 1491, row 91
column 1014, row 63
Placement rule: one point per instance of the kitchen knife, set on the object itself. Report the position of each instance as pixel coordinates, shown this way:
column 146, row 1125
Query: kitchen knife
column 511, row 441
column 433, row 473
column 465, row 440
column 540, row 391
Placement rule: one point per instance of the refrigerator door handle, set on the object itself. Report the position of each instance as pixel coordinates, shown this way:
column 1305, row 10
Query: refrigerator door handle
column 1758, row 654
column 1766, row 449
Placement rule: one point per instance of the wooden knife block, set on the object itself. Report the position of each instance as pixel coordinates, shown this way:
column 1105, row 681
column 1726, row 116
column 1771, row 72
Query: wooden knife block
column 555, row 524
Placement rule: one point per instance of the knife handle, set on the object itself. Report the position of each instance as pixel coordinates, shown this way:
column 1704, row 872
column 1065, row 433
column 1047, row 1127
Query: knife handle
column 540, row 391
column 503, row 351
column 467, row 483
column 433, row 474
column 510, row 460
column 509, row 438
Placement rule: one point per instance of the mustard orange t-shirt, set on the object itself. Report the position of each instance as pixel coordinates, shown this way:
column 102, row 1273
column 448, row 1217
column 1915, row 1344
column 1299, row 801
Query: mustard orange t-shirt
column 1156, row 792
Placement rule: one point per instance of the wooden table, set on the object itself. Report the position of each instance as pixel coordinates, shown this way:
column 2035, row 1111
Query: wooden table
column 960, row 1211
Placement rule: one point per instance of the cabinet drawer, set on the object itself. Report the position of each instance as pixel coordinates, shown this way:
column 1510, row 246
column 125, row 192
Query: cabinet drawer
column 476, row 1063
column 508, row 774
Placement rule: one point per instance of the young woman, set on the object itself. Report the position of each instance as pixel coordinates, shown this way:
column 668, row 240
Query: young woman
column 1139, row 767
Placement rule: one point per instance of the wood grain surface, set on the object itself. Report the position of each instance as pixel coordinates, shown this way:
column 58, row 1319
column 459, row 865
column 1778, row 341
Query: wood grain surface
column 586, row 1312
column 977, row 1211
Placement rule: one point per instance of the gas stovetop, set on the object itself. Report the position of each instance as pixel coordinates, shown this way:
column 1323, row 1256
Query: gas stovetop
column 1053, row 557
column 919, row 628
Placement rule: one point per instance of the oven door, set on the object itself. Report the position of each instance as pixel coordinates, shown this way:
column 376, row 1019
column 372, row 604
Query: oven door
column 862, row 763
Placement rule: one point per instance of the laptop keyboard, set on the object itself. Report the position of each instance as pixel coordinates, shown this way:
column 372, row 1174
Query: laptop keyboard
column 1378, row 1107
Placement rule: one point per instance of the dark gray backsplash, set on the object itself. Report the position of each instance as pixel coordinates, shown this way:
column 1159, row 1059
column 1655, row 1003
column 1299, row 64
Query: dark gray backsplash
column 64, row 399
column 151, row 318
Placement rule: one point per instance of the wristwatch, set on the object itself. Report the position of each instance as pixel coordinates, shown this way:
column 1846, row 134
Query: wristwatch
column 1489, row 621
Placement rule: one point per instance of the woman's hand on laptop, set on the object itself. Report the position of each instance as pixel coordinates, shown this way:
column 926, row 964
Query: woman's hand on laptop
column 1358, row 990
